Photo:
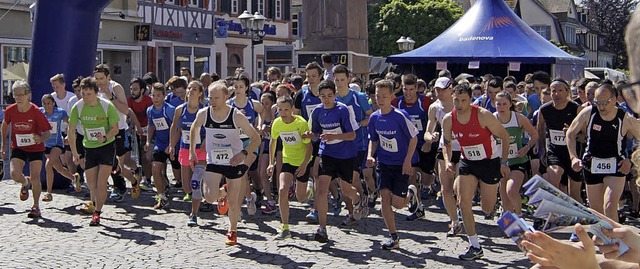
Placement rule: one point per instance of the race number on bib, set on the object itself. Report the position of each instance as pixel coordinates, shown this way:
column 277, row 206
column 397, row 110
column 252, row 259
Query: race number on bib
column 557, row 137
column 54, row 127
column 475, row 153
column 186, row 137
column 290, row 138
column 417, row 123
column 93, row 134
column 161, row 124
column 222, row 156
column 603, row 165
column 24, row 140
column 389, row 144
column 513, row 151
column 310, row 109
column 333, row 131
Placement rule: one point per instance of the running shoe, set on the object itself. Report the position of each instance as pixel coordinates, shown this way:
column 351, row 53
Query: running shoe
column 391, row 244
column 372, row 200
column 223, row 207
column 454, row 229
column 135, row 189
column 206, row 207
column 424, row 193
column 251, row 205
column 146, row 185
column 413, row 199
column 270, row 208
column 137, row 173
column 321, row 235
column 259, row 198
column 187, row 197
column 232, row 238
column 162, row 202
column 337, row 205
column 419, row 214
column 349, row 221
column 357, row 208
column 95, row 219
column 77, row 184
column 116, row 196
column 312, row 217
column 178, row 185
column 365, row 211
column 193, row 220
column 472, row 254
column 284, row 234
column 24, row 191
column 34, row 213
column 47, row 197
column 87, row 208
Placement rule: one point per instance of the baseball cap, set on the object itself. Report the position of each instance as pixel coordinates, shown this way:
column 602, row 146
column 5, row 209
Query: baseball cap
column 442, row 83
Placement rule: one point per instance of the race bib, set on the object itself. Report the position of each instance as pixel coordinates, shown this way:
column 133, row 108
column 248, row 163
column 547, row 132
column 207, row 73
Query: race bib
column 186, row 137
column 310, row 109
column 603, row 165
column 557, row 137
column 389, row 144
column 418, row 123
column 513, row 151
column 333, row 131
column 243, row 135
column 161, row 124
column 24, row 140
column 54, row 127
column 222, row 156
column 290, row 138
column 145, row 131
column 93, row 134
column 475, row 153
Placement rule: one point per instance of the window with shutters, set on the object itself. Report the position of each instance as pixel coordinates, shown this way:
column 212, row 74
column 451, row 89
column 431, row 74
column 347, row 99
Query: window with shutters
column 260, row 7
column 278, row 9
column 543, row 30
column 294, row 24
column 234, row 6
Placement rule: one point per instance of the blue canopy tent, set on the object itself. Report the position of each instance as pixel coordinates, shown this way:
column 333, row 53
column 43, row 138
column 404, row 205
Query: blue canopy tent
column 492, row 34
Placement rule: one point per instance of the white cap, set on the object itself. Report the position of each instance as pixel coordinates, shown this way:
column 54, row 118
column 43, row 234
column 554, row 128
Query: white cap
column 442, row 83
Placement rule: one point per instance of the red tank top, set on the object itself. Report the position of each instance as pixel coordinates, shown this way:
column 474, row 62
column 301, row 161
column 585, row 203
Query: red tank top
column 476, row 142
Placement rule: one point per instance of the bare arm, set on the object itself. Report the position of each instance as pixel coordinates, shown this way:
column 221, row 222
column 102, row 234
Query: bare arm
column 446, row 129
column 576, row 125
column 431, row 125
column 174, row 131
column 195, row 128
column 121, row 99
column 135, row 120
column 541, row 133
column 526, row 125
column 246, row 127
column 632, row 125
column 489, row 121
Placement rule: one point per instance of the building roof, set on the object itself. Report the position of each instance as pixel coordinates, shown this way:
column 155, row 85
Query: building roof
column 557, row 6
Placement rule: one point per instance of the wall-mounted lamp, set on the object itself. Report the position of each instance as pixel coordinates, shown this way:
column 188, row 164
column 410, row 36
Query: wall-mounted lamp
column 119, row 13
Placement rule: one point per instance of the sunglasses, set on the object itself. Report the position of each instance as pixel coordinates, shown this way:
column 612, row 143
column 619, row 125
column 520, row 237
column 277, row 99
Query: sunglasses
column 602, row 103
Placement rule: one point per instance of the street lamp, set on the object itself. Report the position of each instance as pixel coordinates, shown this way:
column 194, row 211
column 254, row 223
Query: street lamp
column 405, row 44
column 253, row 26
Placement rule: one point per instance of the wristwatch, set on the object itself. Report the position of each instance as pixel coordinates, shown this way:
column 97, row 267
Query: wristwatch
column 244, row 151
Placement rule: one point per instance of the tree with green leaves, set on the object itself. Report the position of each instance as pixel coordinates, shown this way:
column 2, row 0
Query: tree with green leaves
column 422, row 20
column 610, row 17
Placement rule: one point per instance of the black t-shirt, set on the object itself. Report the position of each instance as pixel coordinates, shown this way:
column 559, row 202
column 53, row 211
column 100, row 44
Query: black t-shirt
column 556, row 120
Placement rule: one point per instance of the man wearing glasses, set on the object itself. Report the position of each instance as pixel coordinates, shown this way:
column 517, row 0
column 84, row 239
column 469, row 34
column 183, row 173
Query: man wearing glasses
column 604, row 163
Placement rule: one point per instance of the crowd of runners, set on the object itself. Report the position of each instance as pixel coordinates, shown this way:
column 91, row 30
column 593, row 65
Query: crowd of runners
column 323, row 137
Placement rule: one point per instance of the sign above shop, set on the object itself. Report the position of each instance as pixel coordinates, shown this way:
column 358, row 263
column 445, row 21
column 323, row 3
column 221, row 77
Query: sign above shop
column 223, row 26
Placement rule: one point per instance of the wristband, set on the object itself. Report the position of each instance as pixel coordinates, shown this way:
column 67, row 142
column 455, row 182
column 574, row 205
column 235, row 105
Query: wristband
column 504, row 163
column 244, row 151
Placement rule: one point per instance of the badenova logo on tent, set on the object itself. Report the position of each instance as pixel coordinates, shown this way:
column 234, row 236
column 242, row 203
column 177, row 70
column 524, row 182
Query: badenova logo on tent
column 476, row 38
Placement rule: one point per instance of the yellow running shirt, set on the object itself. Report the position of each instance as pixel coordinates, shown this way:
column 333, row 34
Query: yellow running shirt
column 293, row 145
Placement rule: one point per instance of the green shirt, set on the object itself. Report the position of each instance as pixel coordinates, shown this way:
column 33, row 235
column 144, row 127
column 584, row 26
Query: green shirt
column 293, row 145
column 95, row 120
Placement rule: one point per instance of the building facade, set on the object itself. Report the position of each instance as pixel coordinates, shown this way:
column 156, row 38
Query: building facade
column 116, row 44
